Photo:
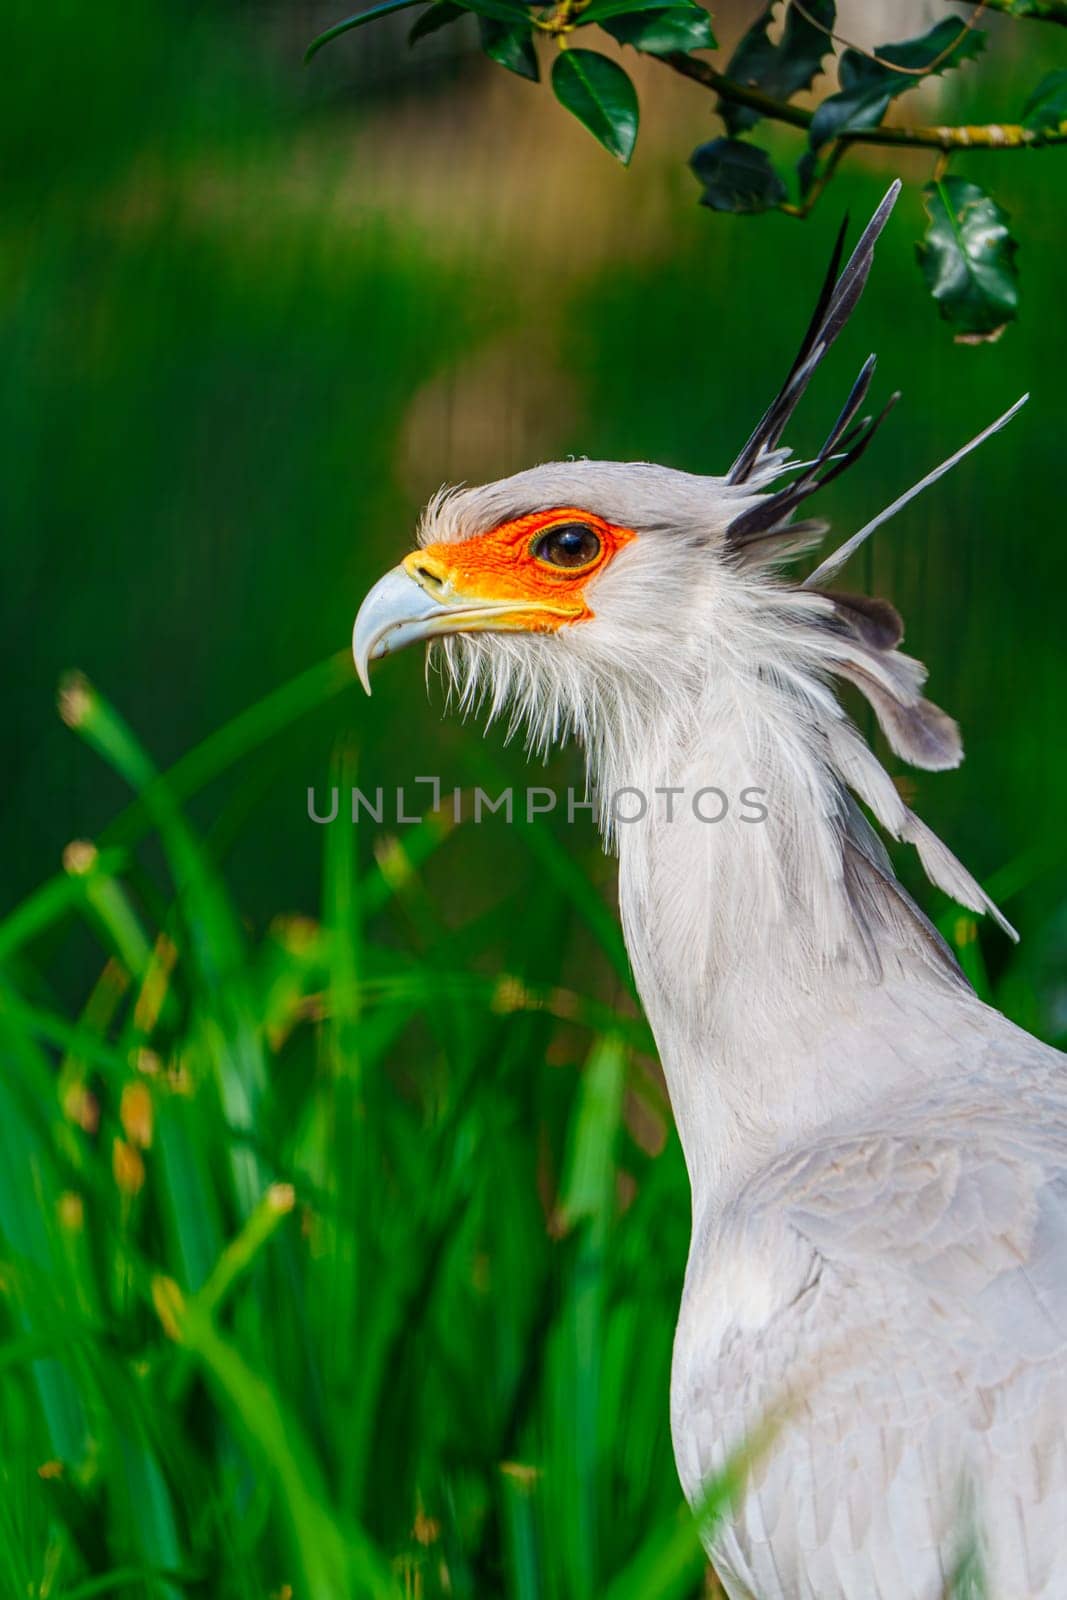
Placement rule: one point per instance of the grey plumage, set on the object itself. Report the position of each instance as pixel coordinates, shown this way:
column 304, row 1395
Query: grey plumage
column 878, row 1160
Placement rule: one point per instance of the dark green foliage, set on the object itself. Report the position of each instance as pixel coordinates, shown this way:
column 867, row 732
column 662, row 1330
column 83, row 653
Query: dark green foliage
column 968, row 258
column 869, row 86
column 601, row 96
column 779, row 69
column 1047, row 106
column 507, row 11
column 736, row 176
column 675, row 27
column 598, row 10
column 209, row 371
column 267, row 1261
column 438, row 15
column 359, row 20
column 510, row 45
column 500, row 10
column 591, row 86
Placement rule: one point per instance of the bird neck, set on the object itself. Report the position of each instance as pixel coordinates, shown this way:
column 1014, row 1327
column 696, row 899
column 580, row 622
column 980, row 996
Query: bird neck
column 771, row 953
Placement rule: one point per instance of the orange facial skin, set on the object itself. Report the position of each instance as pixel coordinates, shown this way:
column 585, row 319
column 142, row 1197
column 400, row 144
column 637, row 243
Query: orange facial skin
column 501, row 566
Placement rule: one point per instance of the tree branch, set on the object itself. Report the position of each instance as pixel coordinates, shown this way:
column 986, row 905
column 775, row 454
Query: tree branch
column 991, row 136
column 739, row 93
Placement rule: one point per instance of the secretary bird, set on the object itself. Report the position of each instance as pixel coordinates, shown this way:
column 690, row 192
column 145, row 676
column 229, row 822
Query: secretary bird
column 878, row 1160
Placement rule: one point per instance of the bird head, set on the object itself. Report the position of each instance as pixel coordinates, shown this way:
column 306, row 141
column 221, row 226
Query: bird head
column 605, row 561
column 553, row 586
column 585, row 597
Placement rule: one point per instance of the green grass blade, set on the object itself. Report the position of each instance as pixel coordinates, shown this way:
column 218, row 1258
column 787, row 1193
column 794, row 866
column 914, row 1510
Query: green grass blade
column 227, row 1030
column 28, row 1198
column 151, row 1514
column 669, row 1564
column 229, row 744
column 49, row 904
column 588, row 1186
column 333, row 1563
column 122, row 1578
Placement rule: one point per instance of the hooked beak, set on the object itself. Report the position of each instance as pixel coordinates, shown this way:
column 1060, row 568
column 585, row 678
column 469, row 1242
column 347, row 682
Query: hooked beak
column 413, row 603
column 396, row 612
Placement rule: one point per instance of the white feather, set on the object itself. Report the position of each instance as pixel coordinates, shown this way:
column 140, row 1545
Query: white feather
column 878, row 1161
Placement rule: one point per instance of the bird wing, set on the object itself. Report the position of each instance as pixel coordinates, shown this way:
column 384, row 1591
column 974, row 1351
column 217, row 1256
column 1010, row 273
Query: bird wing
column 918, row 1350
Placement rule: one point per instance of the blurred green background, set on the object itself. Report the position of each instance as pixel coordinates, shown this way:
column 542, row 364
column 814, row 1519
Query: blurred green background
column 342, row 1224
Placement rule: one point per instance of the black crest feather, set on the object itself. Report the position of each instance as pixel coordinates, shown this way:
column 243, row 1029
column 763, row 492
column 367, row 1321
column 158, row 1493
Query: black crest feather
column 836, row 302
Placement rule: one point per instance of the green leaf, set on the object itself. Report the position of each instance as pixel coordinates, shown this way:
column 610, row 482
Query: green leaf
column 868, row 86
column 500, row 11
column 736, row 176
column 781, row 69
column 601, row 96
column 1047, row 106
column 967, row 258
column 384, row 10
column 659, row 33
column 599, row 9
column 510, row 45
column 587, row 1189
column 438, row 15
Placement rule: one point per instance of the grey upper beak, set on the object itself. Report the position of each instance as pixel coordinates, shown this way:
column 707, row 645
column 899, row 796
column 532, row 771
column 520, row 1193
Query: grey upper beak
column 396, row 612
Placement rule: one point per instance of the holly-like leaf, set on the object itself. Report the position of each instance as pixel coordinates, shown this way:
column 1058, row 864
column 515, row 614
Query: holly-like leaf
column 968, row 258
column 868, row 86
column 372, row 14
column 511, row 45
column 601, row 96
column 736, row 176
column 660, row 33
column 499, row 10
column 502, row 10
column 437, row 15
column 597, row 10
column 781, row 69
column 1047, row 106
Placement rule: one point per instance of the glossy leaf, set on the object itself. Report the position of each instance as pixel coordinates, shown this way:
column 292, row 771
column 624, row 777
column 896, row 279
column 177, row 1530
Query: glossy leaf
column 869, row 86
column 438, row 15
column 601, row 96
column 736, row 176
column 510, row 45
column 779, row 68
column 599, row 9
column 660, row 33
column 372, row 15
column 1047, row 106
column 967, row 258
column 500, row 11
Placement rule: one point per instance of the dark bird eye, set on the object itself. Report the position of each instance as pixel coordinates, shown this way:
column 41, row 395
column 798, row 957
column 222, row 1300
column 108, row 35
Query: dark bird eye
column 571, row 545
